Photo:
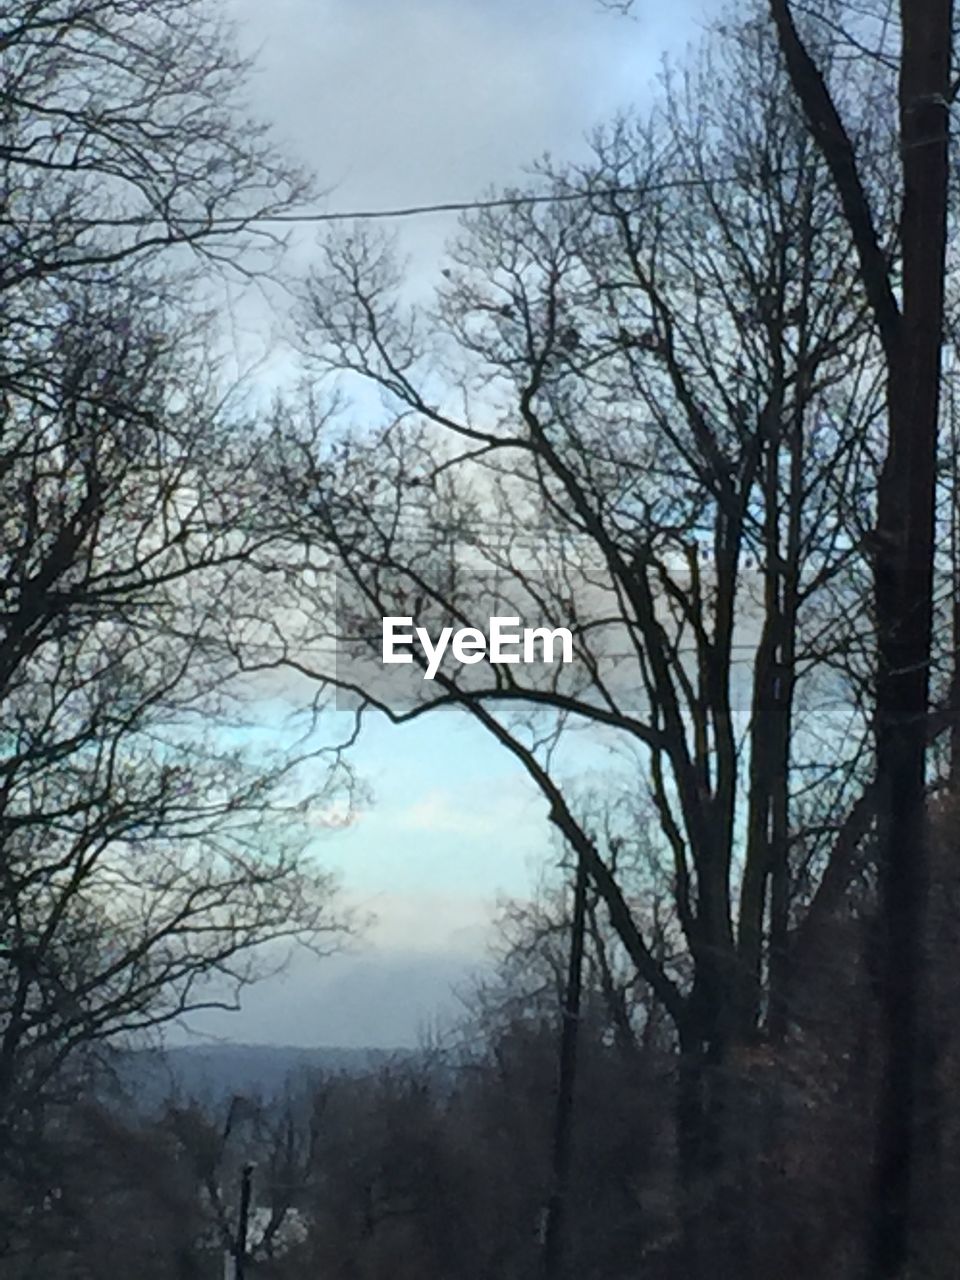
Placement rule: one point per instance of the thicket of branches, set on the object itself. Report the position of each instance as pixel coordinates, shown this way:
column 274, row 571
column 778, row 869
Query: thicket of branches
column 146, row 851
column 662, row 415
column 687, row 407
column 438, row 1162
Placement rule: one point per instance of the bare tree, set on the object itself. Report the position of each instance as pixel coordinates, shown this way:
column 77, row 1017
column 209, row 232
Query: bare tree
column 908, row 309
column 646, row 409
column 123, row 133
column 147, row 847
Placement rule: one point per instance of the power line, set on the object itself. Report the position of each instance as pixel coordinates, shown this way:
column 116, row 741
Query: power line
column 411, row 211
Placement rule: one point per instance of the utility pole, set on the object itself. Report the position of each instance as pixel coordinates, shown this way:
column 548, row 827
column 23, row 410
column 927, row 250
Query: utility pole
column 243, row 1223
column 554, row 1217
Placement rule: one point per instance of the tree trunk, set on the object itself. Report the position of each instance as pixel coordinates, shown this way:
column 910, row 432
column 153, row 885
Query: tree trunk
column 911, row 336
column 904, row 595
column 696, row 1158
column 712, row 1154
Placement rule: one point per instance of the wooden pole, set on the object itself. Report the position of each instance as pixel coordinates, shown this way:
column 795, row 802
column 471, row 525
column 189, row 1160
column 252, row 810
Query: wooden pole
column 554, row 1219
column 243, row 1223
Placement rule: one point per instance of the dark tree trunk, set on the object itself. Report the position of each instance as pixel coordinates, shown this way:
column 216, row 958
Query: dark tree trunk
column 711, row 1153
column 697, row 1160
column 911, row 334
column 904, row 594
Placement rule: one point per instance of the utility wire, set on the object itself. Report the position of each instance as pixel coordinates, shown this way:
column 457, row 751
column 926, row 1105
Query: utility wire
column 417, row 210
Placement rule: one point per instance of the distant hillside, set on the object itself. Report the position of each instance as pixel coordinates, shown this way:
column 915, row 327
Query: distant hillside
column 210, row 1072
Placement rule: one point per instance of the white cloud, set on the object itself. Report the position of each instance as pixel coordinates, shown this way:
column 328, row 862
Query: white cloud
column 447, row 813
column 429, row 922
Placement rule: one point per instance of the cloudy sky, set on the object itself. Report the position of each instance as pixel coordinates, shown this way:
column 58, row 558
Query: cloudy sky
column 406, row 101
column 390, row 103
